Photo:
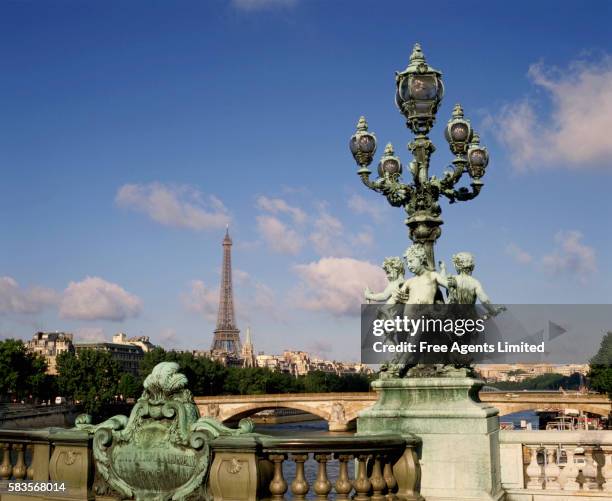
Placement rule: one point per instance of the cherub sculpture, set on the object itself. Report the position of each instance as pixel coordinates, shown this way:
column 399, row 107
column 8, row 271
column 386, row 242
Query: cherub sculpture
column 423, row 287
column 463, row 288
column 394, row 269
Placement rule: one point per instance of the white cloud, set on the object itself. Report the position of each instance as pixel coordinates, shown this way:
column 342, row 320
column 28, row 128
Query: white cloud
column 327, row 236
column 279, row 236
column 177, row 206
column 372, row 208
column 321, row 347
column 519, row 255
column 240, row 276
column 202, row 300
column 168, row 338
column 252, row 5
column 336, row 285
column 364, row 238
column 14, row 299
column 89, row 334
column 325, row 233
column 264, row 298
column 254, row 298
column 571, row 256
column 96, row 299
column 576, row 131
column 279, row 206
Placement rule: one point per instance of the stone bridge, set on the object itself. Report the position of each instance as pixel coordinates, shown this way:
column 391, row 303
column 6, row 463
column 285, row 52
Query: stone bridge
column 340, row 410
column 511, row 402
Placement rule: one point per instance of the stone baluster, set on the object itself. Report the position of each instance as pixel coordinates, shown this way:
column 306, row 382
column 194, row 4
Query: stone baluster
column 30, row 471
column 299, row 486
column 606, row 471
column 378, row 481
column 6, row 469
column 322, row 485
column 390, row 480
column 590, row 472
column 551, row 470
column 534, row 470
column 569, row 473
column 278, row 485
column 19, row 470
column 362, row 482
column 343, row 485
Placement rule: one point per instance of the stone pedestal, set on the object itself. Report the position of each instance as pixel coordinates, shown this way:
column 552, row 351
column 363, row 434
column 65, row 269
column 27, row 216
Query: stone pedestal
column 460, row 436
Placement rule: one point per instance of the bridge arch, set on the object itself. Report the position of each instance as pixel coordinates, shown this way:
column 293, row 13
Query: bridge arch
column 340, row 410
column 511, row 408
column 250, row 409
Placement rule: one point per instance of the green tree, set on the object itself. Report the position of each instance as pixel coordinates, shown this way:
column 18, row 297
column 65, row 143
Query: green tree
column 257, row 381
column 600, row 374
column 129, row 386
column 151, row 359
column 205, row 376
column 21, row 373
column 552, row 381
column 91, row 377
column 47, row 390
column 355, row 382
column 323, row 382
column 319, row 382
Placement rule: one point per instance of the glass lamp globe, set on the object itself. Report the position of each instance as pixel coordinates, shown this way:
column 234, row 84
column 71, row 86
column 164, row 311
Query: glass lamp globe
column 458, row 132
column 363, row 144
column 478, row 158
column 419, row 90
column 389, row 165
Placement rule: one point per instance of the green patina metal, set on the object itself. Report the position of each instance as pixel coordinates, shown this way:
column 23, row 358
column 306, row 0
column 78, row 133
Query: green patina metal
column 163, row 450
column 419, row 91
column 438, row 403
column 418, row 95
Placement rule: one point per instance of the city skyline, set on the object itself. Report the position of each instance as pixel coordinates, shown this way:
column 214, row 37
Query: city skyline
column 126, row 150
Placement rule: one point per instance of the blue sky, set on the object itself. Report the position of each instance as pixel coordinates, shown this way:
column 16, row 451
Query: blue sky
column 132, row 132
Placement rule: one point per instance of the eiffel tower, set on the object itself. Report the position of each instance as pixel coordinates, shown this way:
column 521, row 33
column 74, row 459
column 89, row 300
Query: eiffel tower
column 227, row 335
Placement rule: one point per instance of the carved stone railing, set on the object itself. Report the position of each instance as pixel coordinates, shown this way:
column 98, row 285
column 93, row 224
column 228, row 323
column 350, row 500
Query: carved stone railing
column 164, row 450
column 261, row 467
column 244, row 467
column 549, row 464
column 46, row 458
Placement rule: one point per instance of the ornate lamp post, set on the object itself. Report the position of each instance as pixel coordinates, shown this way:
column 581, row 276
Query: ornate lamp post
column 464, row 425
column 418, row 95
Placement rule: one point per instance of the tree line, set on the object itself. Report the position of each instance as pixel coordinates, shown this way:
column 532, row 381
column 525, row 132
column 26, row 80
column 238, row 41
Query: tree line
column 95, row 379
column 551, row 381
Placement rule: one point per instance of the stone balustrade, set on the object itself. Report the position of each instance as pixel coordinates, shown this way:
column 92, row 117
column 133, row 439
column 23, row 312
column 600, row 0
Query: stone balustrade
column 261, row 467
column 166, row 450
column 46, row 458
column 249, row 467
column 545, row 465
